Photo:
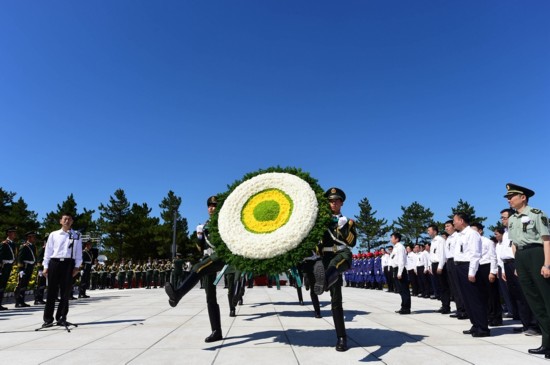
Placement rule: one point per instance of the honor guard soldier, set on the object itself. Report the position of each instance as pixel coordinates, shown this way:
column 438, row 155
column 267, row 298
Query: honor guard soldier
column 177, row 273
column 130, row 274
column 121, row 276
column 95, row 275
column 529, row 233
column 7, row 258
column 87, row 259
column 26, row 259
column 336, row 258
column 40, row 278
column 206, row 268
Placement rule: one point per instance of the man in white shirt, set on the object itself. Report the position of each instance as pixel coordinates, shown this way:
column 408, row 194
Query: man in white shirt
column 439, row 269
column 412, row 259
column 488, row 274
column 453, row 276
column 467, row 256
column 62, row 260
column 400, row 261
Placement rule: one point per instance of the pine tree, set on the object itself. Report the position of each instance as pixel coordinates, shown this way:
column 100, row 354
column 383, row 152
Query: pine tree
column 83, row 222
column 413, row 223
column 170, row 205
column 371, row 231
column 466, row 208
column 114, row 222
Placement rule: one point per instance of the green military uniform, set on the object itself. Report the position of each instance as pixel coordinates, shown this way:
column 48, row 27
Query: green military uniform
column 137, row 270
column 104, row 276
column 528, row 230
column 168, row 271
column 95, row 275
column 26, row 259
column 336, row 257
column 113, row 273
column 87, row 260
column 7, row 259
column 121, row 275
column 156, row 272
column 162, row 273
column 206, row 269
column 130, row 274
column 148, row 274
column 40, row 278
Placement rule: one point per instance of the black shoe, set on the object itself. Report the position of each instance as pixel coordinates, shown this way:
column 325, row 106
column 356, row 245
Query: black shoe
column 232, row 313
column 341, row 344
column 216, row 335
column 301, row 302
column 403, row 311
column 481, row 334
column 169, row 289
column 241, row 301
column 445, row 311
column 463, row 316
column 547, row 355
column 440, row 310
column 318, row 315
column 2, row 308
column 454, row 315
column 539, row 350
column 468, row 332
column 72, row 298
column 47, row 324
column 36, row 302
column 85, row 296
column 518, row 329
column 495, row 323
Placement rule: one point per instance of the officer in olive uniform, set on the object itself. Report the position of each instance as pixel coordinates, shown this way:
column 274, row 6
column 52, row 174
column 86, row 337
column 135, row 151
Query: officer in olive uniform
column 121, row 276
column 130, row 274
column 7, row 258
column 94, row 273
column 336, row 257
column 148, row 273
column 87, row 259
column 206, row 268
column 40, row 278
column 26, row 259
column 528, row 231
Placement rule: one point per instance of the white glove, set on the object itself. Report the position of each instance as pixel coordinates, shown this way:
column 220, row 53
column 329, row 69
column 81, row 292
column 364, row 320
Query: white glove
column 21, row 274
column 40, row 273
column 342, row 221
column 200, row 230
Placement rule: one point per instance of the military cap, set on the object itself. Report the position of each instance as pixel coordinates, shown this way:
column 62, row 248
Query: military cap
column 335, row 193
column 212, row 201
column 11, row 229
column 512, row 189
column 30, row 233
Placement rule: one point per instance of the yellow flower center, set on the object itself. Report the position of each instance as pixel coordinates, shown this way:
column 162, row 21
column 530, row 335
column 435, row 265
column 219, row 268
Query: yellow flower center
column 266, row 211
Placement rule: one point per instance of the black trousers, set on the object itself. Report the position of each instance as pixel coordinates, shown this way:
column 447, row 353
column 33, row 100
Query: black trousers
column 475, row 297
column 403, row 287
column 455, row 287
column 60, row 279
column 414, row 282
column 444, row 288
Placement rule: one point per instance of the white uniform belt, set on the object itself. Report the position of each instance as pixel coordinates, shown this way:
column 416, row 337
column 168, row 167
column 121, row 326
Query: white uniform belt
column 7, row 261
column 29, row 262
column 334, row 248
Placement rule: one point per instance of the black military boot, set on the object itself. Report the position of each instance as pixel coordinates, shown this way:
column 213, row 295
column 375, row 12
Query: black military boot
column 215, row 323
column 238, row 292
column 338, row 317
column 300, row 296
column 316, row 305
column 1, row 298
column 175, row 295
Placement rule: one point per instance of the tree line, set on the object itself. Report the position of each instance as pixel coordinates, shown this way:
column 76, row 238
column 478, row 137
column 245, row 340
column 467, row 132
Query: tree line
column 126, row 229
column 123, row 229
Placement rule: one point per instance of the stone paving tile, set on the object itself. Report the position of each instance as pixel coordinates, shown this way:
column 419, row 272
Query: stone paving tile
column 139, row 327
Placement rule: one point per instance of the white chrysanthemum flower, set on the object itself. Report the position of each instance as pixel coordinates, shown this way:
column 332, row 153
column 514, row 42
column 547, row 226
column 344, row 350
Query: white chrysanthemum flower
column 268, row 215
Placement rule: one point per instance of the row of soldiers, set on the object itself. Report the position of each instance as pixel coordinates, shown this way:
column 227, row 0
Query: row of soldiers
column 149, row 274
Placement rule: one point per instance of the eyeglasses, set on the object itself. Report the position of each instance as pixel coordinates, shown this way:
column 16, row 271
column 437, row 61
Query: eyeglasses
column 504, row 218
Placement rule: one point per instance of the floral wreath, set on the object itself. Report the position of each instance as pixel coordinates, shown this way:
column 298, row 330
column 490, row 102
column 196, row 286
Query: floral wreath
column 270, row 220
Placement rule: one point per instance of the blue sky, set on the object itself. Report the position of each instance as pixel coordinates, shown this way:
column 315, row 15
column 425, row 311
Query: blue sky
column 396, row 101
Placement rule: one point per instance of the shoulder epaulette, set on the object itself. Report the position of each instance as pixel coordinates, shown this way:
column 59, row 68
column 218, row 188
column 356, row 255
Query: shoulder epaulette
column 536, row 211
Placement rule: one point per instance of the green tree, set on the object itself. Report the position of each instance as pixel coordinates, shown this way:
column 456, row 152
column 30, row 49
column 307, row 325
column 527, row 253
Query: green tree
column 83, row 222
column 371, row 231
column 143, row 238
column 170, row 208
column 16, row 213
column 413, row 223
column 114, row 222
column 469, row 210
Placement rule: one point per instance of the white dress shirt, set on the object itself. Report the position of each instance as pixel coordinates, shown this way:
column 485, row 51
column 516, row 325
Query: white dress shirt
column 468, row 249
column 399, row 257
column 437, row 253
column 488, row 254
column 62, row 245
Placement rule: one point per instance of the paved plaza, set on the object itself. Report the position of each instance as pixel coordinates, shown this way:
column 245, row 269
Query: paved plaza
column 139, row 327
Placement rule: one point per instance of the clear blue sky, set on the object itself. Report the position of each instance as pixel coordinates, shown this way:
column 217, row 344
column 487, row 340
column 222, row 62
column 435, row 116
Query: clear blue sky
column 396, row 101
